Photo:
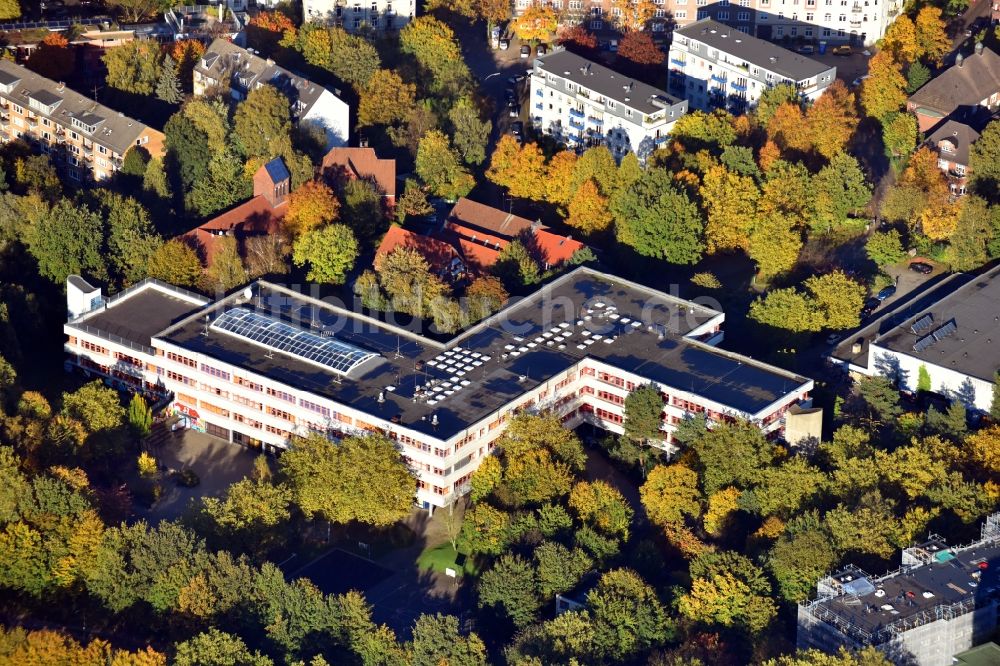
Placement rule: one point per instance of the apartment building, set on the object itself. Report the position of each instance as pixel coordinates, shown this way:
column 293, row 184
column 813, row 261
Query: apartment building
column 379, row 15
column 716, row 66
column 227, row 67
column 939, row 603
column 85, row 140
column 861, row 22
column 583, row 104
column 266, row 363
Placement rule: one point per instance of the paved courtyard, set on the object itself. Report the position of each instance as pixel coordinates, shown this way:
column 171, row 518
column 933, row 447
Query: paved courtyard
column 217, row 463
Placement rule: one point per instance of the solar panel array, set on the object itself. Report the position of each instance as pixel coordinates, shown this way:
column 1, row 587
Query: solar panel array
column 280, row 336
column 939, row 334
column 451, row 366
column 922, row 324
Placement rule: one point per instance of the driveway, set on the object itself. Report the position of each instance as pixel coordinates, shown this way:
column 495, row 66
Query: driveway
column 218, row 464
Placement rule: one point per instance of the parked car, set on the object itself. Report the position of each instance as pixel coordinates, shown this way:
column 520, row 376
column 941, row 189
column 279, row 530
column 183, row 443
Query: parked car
column 540, row 50
column 885, row 293
column 856, row 83
column 495, row 37
column 504, row 43
column 806, row 49
column 843, row 50
column 921, row 267
column 513, row 110
column 525, row 51
column 517, row 128
column 871, row 305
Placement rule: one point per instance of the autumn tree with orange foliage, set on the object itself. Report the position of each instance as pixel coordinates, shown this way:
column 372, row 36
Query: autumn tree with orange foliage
column 884, row 91
column 588, row 210
column 788, row 128
column 832, row 119
column 578, row 40
column 386, row 99
column 186, row 53
column 521, row 169
column 53, row 58
column 635, row 14
column 267, row 29
column 52, row 647
column 638, row 47
column 537, row 23
column 310, row 206
column 769, row 154
column 923, row 191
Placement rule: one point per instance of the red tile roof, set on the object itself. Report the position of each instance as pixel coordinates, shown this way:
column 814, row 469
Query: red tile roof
column 438, row 253
column 555, row 249
column 250, row 218
column 477, row 216
column 363, row 163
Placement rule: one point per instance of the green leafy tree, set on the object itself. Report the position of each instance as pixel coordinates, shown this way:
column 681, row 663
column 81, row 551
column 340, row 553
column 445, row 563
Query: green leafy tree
column 437, row 640
column 558, row 568
column 262, row 122
column 436, row 50
column 774, row 243
column 899, row 134
column 168, row 87
column 132, row 240
column 995, row 402
column 628, row 618
column 564, row 640
column 438, row 166
column 225, row 184
column 839, row 191
column 923, row 379
column 362, row 210
column 217, row 648
column 134, row 67
column 800, row 558
column 351, row 58
column 485, row 529
column 785, row 488
column 361, row 478
column 603, row 507
column 154, row 180
column 772, row 98
column 643, row 413
column 731, row 454
column 510, row 591
column 135, row 162
column 515, row 266
column 227, row 271
column 838, row 299
column 699, row 130
column 413, row 202
column 869, row 656
column 96, row 406
column 188, row 152
column 917, row 74
column 140, row 416
column 67, row 240
column 881, row 398
column 656, row 220
column 969, row 245
column 329, row 251
column 885, row 248
column 469, row 131
column 984, row 162
column 249, row 516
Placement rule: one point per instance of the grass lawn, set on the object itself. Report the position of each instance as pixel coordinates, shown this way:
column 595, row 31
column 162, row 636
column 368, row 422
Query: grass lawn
column 442, row 557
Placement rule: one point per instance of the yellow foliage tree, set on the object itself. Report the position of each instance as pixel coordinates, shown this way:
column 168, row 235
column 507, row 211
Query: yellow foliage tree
column 884, row 91
column 769, row 154
column 558, row 178
column 788, row 129
column 832, row 120
column 588, row 210
column 774, row 243
column 730, row 201
column 940, row 218
column 900, row 40
column 521, row 169
column 386, row 99
column 721, row 506
column 311, row 206
column 983, row 448
column 670, row 493
column 931, row 38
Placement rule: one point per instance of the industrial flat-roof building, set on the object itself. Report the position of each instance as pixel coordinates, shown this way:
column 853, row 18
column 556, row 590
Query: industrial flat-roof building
column 713, row 65
column 941, row 601
column 954, row 334
column 266, row 363
column 585, row 104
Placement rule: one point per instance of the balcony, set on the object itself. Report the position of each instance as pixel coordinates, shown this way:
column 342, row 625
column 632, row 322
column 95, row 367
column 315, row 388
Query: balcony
column 719, row 78
column 576, row 123
column 595, row 120
column 741, row 86
column 88, row 149
column 539, row 107
column 32, row 122
column 660, row 140
column 855, row 23
column 577, row 113
column 539, row 93
column 857, row 9
column 678, row 61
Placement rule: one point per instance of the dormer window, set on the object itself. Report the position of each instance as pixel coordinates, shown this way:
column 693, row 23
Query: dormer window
column 946, row 146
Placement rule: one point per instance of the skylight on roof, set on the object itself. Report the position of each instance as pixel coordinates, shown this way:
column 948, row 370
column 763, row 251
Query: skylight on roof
column 276, row 335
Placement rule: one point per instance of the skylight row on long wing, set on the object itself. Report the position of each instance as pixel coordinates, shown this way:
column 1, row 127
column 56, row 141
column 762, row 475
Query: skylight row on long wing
column 279, row 336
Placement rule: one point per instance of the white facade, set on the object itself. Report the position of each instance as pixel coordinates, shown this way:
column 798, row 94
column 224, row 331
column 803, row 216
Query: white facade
column 975, row 392
column 379, row 15
column 332, row 115
column 860, row 22
column 712, row 77
column 634, row 118
column 256, row 410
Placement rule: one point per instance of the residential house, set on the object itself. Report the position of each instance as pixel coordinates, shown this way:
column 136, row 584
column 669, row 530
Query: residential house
column 362, row 164
column 715, row 66
column 381, row 16
column 261, row 215
column 583, row 103
column 967, row 91
column 227, row 67
column 951, row 140
column 85, row 140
